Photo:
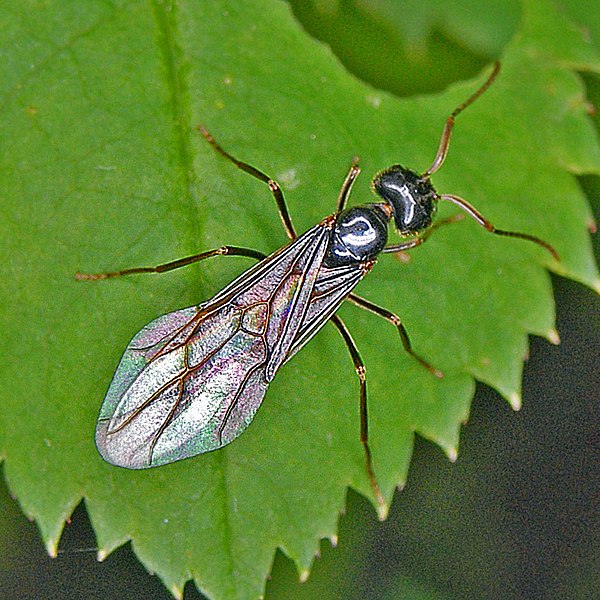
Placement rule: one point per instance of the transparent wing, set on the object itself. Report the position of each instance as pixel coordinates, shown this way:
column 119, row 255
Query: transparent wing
column 330, row 289
column 191, row 381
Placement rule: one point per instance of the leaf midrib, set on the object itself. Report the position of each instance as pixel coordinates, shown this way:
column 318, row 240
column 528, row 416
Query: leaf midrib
column 181, row 110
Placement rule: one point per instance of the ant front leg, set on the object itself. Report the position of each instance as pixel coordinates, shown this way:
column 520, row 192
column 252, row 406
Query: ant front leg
column 346, row 188
column 421, row 239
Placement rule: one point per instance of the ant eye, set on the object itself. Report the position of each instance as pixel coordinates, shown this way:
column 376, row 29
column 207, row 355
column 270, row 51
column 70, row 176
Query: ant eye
column 411, row 196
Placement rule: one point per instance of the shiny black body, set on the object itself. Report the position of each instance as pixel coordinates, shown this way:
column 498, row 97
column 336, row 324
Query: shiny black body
column 360, row 232
column 411, row 196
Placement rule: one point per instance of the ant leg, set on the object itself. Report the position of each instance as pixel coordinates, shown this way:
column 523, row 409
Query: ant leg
column 359, row 367
column 417, row 241
column 391, row 317
column 394, row 319
column 273, row 185
column 438, row 161
column 175, row 264
column 344, row 194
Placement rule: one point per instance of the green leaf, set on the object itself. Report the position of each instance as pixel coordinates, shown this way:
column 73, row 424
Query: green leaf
column 101, row 168
column 432, row 43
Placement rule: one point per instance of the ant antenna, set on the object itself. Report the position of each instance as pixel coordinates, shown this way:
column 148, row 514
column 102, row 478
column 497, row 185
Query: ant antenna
column 475, row 214
column 438, row 161
column 441, row 154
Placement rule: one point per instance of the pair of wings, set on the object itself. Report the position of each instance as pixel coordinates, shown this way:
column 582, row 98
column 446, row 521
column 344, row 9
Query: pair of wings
column 192, row 380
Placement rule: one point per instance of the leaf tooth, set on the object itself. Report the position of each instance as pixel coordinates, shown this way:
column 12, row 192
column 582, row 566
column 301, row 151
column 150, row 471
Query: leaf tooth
column 333, row 540
column 52, row 546
column 515, row 400
column 553, row 336
column 383, row 509
column 102, row 554
column 176, row 591
column 304, row 575
column 451, row 453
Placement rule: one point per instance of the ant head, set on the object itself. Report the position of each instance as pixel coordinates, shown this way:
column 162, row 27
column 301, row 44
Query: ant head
column 411, row 197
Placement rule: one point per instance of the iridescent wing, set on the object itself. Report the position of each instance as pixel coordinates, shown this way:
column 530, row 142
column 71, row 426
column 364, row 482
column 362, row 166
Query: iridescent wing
column 191, row 381
column 330, row 289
